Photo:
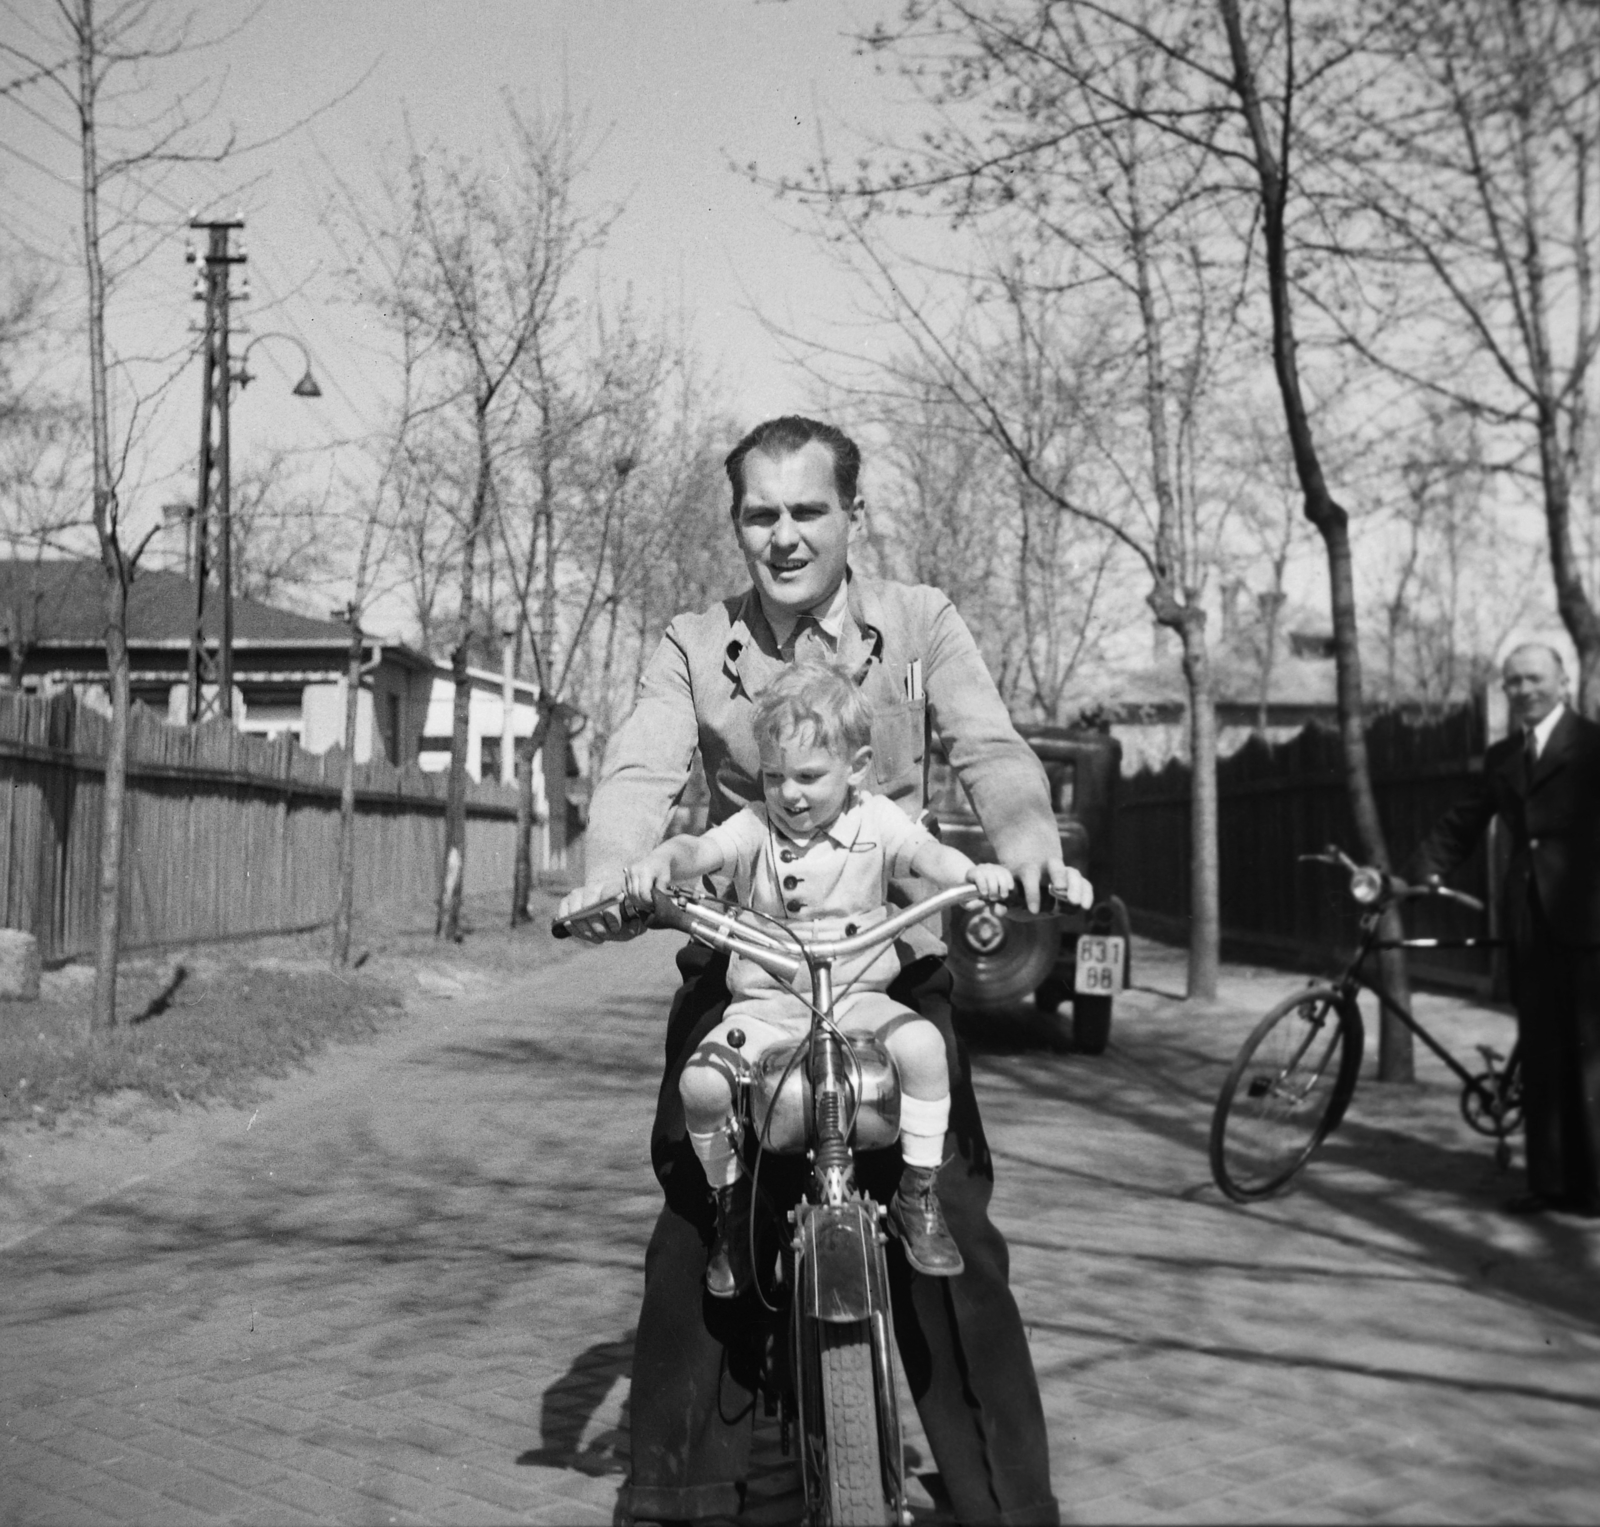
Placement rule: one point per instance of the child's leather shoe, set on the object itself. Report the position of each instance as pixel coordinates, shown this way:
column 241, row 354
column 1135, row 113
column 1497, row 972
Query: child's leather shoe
column 918, row 1220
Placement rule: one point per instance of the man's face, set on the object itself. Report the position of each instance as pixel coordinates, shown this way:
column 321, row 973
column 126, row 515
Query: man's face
column 1533, row 681
column 792, row 529
column 805, row 784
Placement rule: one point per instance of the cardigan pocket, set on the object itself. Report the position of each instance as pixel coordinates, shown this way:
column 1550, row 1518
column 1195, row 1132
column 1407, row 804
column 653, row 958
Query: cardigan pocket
column 899, row 738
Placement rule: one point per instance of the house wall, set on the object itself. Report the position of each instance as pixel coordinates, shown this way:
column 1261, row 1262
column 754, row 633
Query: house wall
column 485, row 721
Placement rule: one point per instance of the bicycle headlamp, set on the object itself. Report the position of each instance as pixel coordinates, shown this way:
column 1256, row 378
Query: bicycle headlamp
column 1366, row 886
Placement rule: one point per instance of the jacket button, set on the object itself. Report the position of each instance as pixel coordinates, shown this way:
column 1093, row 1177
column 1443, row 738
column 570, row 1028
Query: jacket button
column 793, row 906
column 1533, row 842
column 787, row 856
column 790, row 882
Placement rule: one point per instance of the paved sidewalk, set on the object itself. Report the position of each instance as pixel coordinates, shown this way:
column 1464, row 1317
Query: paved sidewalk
column 403, row 1290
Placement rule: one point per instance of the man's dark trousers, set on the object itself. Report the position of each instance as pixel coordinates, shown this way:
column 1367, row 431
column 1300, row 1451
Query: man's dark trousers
column 1558, row 1025
column 961, row 1340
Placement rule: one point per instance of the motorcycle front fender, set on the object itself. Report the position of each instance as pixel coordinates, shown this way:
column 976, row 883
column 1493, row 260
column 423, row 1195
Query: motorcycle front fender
column 840, row 1265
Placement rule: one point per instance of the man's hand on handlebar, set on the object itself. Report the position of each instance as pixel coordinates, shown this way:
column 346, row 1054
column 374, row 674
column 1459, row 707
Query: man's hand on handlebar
column 1066, row 884
column 608, row 922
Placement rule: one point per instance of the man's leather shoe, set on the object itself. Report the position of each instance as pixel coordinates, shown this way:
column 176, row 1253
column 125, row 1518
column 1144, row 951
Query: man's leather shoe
column 1528, row 1203
column 728, row 1271
column 917, row 1218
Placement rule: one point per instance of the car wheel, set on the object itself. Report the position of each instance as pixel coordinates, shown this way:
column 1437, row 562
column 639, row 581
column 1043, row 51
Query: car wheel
column 995, row 962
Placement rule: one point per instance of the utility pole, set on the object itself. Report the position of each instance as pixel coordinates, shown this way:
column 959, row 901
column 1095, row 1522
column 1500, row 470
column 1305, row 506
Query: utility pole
column 210, row 672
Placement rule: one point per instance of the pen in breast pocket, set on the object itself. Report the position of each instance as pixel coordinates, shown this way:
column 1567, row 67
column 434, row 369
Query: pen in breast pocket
column 914, row 679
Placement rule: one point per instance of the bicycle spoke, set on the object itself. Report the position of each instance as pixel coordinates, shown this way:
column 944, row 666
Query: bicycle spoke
column 1287, row 1089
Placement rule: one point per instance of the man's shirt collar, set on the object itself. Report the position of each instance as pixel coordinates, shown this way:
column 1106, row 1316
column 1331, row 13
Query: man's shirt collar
column 829, row 615
column 1541, row 732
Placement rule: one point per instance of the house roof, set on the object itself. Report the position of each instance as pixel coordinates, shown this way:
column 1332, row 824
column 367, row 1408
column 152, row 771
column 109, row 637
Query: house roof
column 1294, row 681
column 61, row 602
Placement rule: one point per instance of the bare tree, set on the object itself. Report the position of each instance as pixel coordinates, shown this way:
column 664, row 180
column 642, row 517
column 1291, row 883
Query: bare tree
column 77, row 65
column 480, row 266
column 93, row 72
column 1467, row 176
column 1096, row 222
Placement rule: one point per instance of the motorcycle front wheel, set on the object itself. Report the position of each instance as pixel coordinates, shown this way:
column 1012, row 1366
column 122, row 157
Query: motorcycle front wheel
column 853, row 1488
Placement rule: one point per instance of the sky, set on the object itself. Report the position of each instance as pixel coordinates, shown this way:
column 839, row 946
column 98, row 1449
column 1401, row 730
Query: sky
column 674, row 94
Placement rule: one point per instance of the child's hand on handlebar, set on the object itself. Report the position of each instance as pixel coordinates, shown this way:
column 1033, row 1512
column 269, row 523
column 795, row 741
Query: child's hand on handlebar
column 993, row 881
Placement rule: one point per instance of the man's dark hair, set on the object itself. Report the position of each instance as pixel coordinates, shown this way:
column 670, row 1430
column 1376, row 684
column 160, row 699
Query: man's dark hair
column 785, row 436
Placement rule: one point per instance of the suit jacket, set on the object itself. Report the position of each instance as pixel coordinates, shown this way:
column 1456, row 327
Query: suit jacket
column 1553, row 818
column 699, row 689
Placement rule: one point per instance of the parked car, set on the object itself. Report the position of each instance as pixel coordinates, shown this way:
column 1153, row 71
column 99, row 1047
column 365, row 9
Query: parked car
column 1075, row 959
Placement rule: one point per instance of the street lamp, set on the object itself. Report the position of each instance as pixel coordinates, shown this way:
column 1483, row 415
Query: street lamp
column 306, row 387
column 221, row 376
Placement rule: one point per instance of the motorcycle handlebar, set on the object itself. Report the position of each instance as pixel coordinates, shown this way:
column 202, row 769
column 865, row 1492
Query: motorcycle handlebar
column 714, row 923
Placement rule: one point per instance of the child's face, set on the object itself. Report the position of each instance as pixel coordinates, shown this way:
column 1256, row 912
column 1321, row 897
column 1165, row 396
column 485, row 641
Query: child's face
column 807, row 785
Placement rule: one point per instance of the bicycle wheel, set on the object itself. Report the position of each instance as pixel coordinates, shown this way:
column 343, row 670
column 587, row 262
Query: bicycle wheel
column 1286, row 1092
column 854, row 1491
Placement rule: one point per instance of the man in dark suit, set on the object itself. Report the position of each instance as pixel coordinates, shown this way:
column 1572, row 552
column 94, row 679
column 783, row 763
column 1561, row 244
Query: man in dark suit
column 1543, row 782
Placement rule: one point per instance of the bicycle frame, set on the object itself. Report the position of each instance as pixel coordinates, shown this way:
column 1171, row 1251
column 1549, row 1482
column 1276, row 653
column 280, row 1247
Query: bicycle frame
column 1492, row 1089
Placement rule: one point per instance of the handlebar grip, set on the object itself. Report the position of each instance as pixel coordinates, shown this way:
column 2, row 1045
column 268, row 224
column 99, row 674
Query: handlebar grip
column 562, row 927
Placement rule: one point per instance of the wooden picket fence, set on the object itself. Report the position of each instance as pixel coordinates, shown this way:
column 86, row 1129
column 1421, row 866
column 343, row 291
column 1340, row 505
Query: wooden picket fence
column 227, row 834
column 1277, row 802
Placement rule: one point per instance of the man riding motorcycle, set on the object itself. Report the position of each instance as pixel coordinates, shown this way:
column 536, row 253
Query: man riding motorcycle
column 795, row 511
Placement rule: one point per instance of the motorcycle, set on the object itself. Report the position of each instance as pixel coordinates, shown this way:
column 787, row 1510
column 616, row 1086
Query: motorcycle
column 816, row 1103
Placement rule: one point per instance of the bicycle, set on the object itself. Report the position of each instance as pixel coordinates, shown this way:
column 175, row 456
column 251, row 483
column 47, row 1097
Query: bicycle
column 1295, row 1075
column 814, row 1103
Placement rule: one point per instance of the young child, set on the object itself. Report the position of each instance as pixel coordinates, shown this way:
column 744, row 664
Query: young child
column 817, row 853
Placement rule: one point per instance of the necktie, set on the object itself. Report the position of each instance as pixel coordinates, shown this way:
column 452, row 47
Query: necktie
column 1530, row 751
column 810, row 645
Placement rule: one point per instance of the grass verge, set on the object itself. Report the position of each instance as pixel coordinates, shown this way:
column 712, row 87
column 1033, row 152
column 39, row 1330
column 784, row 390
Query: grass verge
column 212, row 1024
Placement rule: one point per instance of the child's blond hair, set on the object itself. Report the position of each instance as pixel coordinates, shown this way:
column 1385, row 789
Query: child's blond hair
column 816, row 698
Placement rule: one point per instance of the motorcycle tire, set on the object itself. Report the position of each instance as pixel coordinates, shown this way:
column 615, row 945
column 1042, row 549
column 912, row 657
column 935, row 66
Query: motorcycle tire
column 855, row 1493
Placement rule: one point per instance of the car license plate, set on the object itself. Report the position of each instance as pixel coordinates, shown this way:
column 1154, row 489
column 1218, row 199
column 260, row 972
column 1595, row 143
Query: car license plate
column 1100, row 958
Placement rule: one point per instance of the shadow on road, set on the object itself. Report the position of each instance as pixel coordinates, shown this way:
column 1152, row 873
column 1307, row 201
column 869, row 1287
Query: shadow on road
column 1402, row 1180
column 573, row 1428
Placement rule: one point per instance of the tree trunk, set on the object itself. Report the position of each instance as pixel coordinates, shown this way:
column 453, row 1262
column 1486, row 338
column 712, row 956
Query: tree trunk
column 448, row 924
column 113, row 810
column 455, row 811
column 1324, row 511
column 345, row 915
column 555, row 786
column 108, row 927
column 522, row 870
column 1205, row 909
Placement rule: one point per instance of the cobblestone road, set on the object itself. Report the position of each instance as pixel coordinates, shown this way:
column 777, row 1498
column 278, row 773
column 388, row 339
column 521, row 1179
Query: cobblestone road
column 403, row 1290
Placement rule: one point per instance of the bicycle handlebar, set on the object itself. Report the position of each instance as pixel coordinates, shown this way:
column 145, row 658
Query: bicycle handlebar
column 1370, row 886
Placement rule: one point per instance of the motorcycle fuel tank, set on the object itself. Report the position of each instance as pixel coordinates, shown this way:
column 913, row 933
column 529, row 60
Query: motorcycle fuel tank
column 780, row 1096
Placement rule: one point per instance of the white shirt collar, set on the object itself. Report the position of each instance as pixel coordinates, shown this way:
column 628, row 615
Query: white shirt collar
column 829, row 614
column 1541, row 732
column 844, row 829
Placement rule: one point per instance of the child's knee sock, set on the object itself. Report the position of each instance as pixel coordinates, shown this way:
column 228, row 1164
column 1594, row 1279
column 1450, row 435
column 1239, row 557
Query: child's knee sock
column 717, row 1155
column 923, row 1122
